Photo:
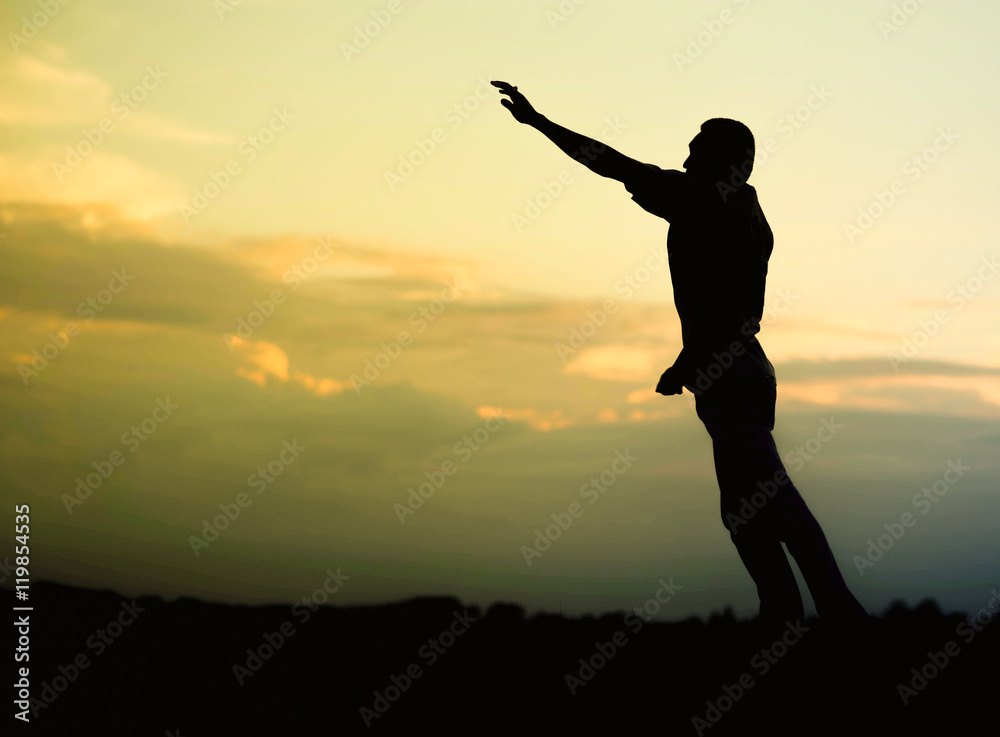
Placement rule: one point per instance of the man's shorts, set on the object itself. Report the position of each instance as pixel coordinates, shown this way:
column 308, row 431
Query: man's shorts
column 738, row 400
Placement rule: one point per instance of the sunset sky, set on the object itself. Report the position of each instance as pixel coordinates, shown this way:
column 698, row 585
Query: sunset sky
column 237, row 208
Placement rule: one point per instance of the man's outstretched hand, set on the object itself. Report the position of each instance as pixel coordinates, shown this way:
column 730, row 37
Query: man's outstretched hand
column 670, row 383
column 518, row 104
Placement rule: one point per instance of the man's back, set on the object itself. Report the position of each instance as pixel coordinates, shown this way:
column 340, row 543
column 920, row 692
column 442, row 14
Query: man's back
column 719, row 248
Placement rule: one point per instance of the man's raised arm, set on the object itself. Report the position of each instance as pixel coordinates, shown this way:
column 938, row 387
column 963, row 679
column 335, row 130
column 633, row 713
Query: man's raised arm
column 596, row 156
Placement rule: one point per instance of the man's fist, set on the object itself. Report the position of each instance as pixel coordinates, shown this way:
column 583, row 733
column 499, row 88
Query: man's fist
column 669, row 383
column 518, row 104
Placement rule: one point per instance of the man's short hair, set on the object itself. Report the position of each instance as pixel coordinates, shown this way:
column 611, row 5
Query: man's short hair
column 729, row 143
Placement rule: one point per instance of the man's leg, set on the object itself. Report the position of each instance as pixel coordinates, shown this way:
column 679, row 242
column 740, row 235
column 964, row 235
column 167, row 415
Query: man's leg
column 756, row 541
column 801, row 532
column 740, row 421
column 799, row 529
column 733, row 425
column 807, row 543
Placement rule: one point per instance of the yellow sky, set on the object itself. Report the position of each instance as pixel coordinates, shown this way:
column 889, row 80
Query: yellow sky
column 343, row 174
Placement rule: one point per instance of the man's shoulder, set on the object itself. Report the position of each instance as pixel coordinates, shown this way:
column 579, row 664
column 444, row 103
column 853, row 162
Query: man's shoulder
column 646, row 175
column 662, row 192
column 742, row 201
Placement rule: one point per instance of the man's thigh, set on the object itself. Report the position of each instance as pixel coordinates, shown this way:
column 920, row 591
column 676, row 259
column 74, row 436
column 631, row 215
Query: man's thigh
column 739, row 417
column 738, row 401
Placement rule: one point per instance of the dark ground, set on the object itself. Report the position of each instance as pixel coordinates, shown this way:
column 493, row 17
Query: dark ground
column 170, row 670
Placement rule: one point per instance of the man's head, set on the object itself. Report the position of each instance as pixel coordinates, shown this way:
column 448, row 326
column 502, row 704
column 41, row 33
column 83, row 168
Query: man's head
column 721, row 145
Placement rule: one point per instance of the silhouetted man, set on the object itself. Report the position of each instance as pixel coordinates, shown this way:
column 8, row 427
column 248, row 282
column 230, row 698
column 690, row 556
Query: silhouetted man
column 718, row 246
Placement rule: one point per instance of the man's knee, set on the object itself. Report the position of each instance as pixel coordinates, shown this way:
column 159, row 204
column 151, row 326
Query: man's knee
column 749, row 526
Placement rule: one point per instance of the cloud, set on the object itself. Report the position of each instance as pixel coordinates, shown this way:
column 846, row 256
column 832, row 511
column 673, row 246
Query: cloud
column 919, row 393
column 156, row 127
column 332, row 321
column 37, row 93
column 266, row 359
column 102, row 179
column 50, row 94
column 625, row 363
column 66, row 127
column 802, row 370
column 489, row 351
column 381, row 271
